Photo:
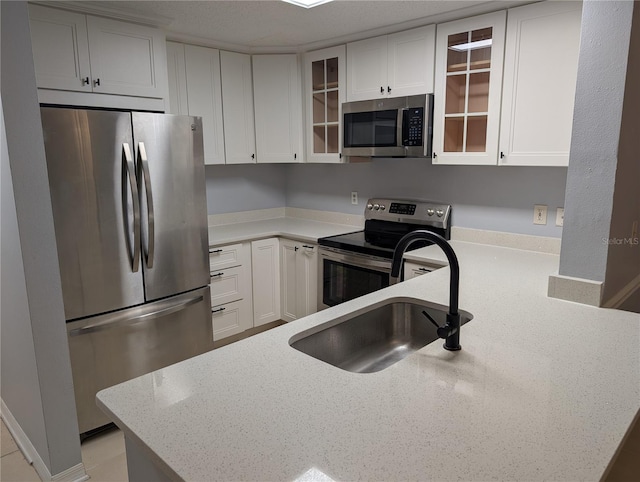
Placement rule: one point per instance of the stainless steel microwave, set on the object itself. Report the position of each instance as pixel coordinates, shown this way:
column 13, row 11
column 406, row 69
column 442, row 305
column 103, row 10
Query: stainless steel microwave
column 394, row 127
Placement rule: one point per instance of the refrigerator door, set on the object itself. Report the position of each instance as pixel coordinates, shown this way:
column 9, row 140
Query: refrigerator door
column 170, row 166
column 110, row 349
column 95, row 209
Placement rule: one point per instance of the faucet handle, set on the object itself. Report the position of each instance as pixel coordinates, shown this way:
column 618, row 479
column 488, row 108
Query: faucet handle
column 442, row 331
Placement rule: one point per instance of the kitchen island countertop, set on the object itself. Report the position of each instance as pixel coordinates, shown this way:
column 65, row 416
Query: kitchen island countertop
column 543, row 389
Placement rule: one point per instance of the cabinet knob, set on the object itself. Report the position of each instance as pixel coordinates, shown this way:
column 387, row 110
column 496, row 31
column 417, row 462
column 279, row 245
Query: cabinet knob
column 96, row 82
column 253, row 156
column 388, row 89
column 295, row 156
column 501, row 155
column 295, row 248
column 435, row 155
column 381, row 90
column 85, row 81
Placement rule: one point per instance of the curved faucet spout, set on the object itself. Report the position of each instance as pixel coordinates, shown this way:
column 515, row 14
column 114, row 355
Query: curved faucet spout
column 451, row 332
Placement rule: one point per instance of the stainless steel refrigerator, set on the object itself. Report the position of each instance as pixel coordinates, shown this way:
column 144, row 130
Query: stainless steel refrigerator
column 129, row 208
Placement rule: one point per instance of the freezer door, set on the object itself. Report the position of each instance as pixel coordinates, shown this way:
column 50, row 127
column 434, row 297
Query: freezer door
column 110, row 349
column 170, row 166
column 95, row 209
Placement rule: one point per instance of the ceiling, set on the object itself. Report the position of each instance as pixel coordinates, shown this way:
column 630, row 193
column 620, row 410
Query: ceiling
column 273, row 24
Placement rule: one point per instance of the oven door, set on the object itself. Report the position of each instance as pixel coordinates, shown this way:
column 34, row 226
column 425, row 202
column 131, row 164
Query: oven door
column 343, row 276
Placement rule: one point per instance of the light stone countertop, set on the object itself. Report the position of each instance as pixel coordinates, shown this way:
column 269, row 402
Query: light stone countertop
column 542, row 389
column 289, row 227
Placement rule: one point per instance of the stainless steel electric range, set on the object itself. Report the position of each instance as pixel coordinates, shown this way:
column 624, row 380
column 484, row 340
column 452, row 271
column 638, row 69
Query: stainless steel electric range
column 354, row 264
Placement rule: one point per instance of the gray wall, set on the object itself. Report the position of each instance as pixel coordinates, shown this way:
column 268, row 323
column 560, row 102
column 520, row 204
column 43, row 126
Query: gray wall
column 34, row 217
column 245, row 187
column 20, row 386
column 483, row 197
column 591, row 177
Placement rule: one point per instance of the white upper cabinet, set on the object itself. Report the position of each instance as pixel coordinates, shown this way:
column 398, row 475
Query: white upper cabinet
column 82, row 53
column 127, row 59
column 278, row 108
column 540, row 70
column 60, row 49
column 237, row 103
column 468, row 83
column 204, row 98
column 325, row 87
column 177, row 74
column 392, row 65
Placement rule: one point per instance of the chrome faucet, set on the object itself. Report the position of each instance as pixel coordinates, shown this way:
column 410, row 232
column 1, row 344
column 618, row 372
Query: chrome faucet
column 451, row 331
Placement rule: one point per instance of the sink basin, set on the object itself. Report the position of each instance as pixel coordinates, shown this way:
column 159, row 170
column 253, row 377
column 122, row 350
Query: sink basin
column 376, row 339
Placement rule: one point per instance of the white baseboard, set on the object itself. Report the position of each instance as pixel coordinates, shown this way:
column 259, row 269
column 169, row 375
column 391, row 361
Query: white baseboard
column 624, row 294
column 540, row 244
column 333, row 217
column 587, row 292
column 72, row 474
column 245, row 216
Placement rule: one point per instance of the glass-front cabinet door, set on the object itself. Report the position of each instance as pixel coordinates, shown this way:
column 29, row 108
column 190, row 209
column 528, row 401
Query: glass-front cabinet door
column 325, row 84
column 468, row 83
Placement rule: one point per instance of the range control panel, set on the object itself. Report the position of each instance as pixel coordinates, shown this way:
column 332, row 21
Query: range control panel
column 405, row 210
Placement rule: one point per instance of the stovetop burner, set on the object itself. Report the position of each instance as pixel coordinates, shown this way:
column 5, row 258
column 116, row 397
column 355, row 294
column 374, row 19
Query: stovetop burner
column 387, row 221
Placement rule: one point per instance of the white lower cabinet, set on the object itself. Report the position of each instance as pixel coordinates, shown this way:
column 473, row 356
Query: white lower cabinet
column 265, row 263
column 231, row 294
column 298, row 279
column 230, row 319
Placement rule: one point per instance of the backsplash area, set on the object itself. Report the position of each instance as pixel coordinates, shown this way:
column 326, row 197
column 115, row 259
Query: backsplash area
column 483, row 197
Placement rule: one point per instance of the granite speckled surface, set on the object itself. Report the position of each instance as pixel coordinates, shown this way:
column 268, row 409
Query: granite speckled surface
column 543, row 389
column 288, row 227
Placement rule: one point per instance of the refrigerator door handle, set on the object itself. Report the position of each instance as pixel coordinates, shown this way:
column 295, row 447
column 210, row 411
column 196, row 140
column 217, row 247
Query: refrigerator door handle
column 123, row 319
column 144, row 167
column 131, row 174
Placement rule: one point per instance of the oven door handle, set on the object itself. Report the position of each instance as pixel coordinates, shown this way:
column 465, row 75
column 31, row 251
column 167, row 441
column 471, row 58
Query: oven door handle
column 360, row 262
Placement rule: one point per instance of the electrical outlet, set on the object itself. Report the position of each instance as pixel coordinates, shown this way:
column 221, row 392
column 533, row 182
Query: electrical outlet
column 354, row 197
column 539, row 214
column 559, row 216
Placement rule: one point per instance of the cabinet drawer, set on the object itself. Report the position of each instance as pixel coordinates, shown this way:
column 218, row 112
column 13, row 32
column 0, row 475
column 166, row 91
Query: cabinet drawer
column 225, row 257
column 230, row 319
column 227, row 285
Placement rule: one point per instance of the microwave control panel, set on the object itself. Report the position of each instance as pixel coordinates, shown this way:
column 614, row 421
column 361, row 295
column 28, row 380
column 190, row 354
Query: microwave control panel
column 413, row 126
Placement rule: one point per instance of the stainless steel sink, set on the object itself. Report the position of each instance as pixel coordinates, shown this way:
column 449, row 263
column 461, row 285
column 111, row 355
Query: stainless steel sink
column 376, row 339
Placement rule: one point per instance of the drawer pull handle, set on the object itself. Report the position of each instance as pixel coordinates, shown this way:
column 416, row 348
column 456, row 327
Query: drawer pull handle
column 424, row 269
column 306, row 246
column 216, row 275
column 213, row 251
column 218, row 310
